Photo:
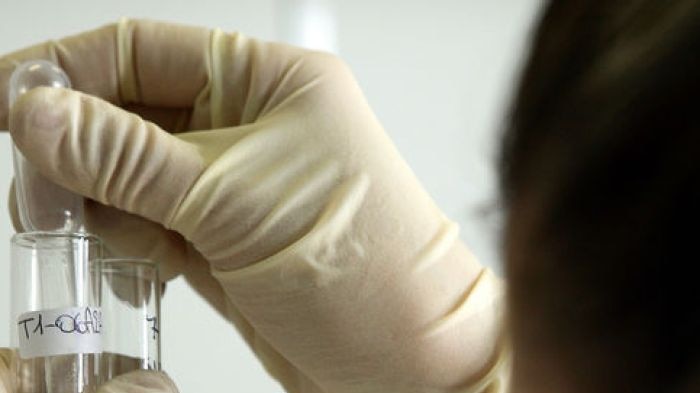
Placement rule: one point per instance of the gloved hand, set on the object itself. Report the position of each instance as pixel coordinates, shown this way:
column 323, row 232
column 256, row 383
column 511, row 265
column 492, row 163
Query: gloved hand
column 264, row 177
column 133, row 382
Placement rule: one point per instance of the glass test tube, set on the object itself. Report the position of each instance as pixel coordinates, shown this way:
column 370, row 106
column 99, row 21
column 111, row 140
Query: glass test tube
column 55, row 315
column 131, row 291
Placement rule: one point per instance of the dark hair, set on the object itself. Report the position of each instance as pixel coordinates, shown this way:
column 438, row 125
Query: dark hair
column 600, row 175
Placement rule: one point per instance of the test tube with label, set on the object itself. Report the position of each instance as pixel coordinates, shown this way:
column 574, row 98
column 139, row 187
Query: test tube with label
column 56, row 322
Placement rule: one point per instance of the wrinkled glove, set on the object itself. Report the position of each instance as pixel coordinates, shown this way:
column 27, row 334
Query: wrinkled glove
column 263, row 176
column 133, row 382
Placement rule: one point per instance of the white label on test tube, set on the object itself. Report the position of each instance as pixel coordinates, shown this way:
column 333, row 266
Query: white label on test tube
column 60, row 331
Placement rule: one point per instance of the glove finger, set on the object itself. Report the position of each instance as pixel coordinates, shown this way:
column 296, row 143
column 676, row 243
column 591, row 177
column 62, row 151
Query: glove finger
column 6, row 375
column 140, row 382
column 108, row 62
column 104, row 153
column 223, row 79
column 127, row 235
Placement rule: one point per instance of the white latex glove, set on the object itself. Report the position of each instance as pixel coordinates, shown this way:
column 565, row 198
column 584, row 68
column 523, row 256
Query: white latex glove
column 139, row 382
column 6, row 377
column 276, row 192
column 133, row 382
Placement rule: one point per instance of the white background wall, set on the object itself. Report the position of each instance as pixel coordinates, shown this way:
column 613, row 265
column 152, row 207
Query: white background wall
column 438, row 74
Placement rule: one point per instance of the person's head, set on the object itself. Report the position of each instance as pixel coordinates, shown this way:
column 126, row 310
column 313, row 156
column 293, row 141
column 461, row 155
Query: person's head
column 601, row 180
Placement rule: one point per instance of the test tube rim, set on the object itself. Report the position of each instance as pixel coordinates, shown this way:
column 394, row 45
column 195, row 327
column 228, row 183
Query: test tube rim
column 32, row 239
column 114, row 265
column 129, row 261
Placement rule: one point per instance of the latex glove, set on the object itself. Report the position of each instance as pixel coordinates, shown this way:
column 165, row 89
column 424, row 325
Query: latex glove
column 139, row 381
column 133, row 382
column 285, row 204
column 6, row 377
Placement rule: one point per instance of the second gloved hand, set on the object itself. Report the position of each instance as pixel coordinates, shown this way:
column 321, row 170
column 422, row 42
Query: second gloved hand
column 276, row 192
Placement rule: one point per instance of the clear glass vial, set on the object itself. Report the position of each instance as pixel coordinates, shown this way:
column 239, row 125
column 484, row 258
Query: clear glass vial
column 131, row 291
column 55, row 320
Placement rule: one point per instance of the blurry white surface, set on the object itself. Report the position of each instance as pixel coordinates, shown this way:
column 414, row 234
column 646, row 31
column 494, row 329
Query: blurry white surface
column 437, row 74
column 308, row 23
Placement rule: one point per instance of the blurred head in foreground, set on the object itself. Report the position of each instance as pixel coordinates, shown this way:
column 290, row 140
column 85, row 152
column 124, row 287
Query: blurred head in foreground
column 601, row 179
